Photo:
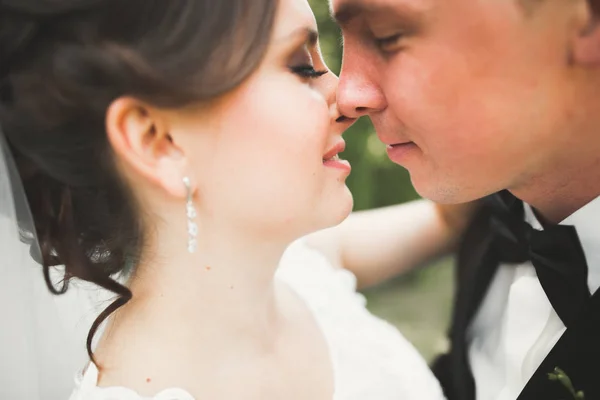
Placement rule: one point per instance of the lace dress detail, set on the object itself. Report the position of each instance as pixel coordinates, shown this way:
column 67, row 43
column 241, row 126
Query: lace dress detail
column 87, row 389
column 371, row 359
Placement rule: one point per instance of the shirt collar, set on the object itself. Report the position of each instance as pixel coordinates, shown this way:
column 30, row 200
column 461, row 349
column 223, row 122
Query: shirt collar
column 586, row 221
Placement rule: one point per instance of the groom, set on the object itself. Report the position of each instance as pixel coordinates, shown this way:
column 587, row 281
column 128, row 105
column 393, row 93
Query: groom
column 497, row 99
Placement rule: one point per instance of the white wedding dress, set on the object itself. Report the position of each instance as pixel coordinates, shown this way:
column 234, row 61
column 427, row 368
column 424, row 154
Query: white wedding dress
column 371, row 359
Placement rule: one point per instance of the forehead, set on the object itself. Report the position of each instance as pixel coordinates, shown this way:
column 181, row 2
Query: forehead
column 293, row 15
column 345, row 11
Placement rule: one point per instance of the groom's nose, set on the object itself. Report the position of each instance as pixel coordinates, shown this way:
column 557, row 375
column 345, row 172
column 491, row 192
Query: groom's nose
column 357, row 94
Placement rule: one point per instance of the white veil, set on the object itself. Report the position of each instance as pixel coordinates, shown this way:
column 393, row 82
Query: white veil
column 42, row 336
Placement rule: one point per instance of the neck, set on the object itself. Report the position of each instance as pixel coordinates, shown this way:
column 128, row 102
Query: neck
column 226, row 286
column 562, row 189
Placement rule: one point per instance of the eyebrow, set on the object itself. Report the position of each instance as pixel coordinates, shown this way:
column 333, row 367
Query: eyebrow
column 310, row 34
column 348, row 11
column 351, row 9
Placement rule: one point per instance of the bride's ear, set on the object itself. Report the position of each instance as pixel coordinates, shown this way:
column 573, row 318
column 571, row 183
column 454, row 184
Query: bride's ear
column 139, row 136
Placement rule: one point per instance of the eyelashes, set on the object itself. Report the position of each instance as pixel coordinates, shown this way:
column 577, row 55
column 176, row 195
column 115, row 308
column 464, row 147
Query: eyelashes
column 307, row 71
column 388, row 43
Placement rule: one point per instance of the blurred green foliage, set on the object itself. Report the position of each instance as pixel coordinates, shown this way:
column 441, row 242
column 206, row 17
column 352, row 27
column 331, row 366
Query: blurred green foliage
column 375, row 181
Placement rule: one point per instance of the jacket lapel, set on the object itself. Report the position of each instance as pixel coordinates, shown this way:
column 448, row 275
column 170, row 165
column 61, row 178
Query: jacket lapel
column 577, row 353
column 477, row 264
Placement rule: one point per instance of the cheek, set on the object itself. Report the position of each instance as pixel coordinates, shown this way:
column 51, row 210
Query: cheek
column 477, row 133
column 435, row 100
column 457, row 114
column 267, row 157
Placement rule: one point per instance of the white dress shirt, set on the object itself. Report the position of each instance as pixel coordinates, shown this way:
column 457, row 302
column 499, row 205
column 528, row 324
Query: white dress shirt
column 516, row 327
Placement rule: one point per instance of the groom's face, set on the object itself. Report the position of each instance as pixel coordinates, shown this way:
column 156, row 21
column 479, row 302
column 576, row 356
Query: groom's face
column 475, row 94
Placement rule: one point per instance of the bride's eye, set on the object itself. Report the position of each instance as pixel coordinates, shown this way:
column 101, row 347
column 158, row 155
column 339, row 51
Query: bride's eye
column 301, row 64
column 307, row 71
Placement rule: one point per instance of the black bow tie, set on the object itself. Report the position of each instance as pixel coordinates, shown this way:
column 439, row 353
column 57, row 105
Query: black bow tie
column 555, row 252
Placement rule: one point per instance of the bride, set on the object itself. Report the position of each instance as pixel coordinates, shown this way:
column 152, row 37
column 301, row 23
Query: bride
column 170, row 152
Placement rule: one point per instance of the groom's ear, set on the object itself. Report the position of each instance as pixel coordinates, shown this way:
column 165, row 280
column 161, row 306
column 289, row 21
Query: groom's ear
column 586, row 43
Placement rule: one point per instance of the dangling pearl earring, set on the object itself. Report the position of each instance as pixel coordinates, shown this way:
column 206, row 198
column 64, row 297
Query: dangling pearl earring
column 191, row 215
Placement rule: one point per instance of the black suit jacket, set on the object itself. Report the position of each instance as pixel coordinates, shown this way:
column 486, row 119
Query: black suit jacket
column 577, row 352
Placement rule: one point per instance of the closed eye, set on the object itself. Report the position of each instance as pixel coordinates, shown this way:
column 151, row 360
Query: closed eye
column 388, row 42
column 307, row 71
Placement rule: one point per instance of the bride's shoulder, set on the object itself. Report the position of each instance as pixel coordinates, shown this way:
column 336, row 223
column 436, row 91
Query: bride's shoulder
column 86, row 388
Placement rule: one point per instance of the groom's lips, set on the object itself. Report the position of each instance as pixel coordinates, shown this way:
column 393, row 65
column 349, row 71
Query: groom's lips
column 400, row 151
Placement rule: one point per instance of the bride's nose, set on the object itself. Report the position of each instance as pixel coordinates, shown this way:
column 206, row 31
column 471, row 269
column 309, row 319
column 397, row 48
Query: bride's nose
column 330, row 89
column 341, row 121
column 330, row 94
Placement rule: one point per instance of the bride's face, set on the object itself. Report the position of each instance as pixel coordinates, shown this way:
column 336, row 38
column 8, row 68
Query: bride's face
column 259, row 162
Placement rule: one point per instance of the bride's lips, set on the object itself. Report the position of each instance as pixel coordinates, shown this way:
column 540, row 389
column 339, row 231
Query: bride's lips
column 399, row 151
column 332, row 159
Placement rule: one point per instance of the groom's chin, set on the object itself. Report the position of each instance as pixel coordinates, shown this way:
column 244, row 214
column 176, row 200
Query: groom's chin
column 441, row 190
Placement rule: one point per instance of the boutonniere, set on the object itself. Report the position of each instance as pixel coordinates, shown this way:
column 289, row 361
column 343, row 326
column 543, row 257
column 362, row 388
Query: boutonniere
column 560, row 376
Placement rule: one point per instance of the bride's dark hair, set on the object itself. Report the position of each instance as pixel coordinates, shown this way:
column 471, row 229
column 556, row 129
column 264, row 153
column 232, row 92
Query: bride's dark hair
column 62, row 62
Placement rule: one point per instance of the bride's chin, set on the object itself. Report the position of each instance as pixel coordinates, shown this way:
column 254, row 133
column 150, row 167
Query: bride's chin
column 332, row 211
column 340, row 209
